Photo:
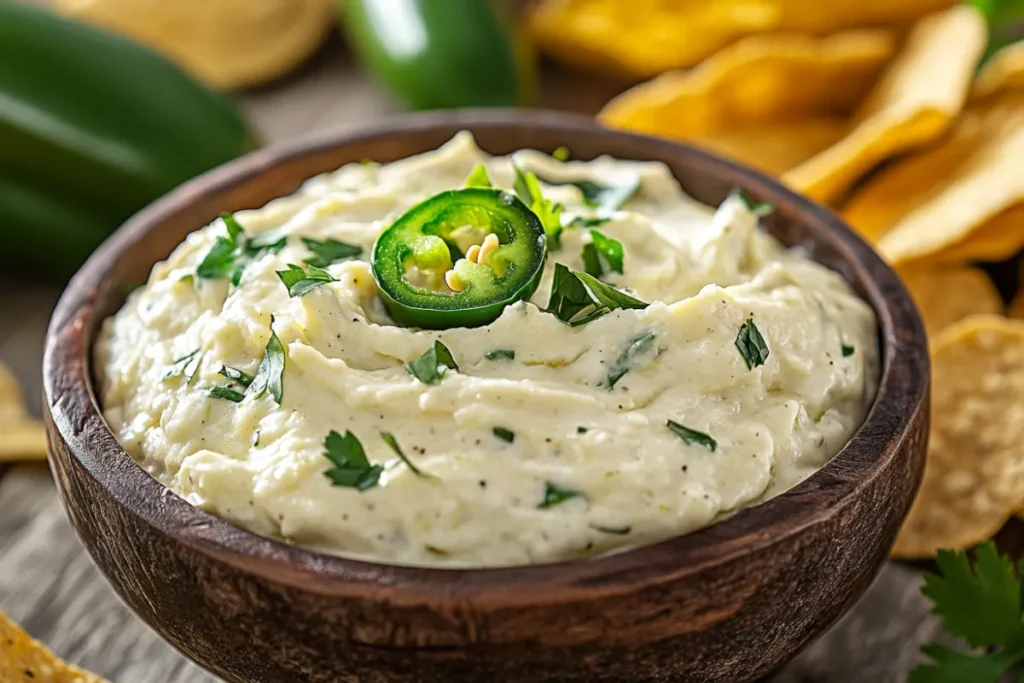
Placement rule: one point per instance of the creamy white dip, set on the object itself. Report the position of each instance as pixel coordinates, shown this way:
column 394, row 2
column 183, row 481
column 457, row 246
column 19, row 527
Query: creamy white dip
column 705, row 272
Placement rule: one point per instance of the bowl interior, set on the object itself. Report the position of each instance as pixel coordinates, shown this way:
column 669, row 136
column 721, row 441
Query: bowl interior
column 127, row 257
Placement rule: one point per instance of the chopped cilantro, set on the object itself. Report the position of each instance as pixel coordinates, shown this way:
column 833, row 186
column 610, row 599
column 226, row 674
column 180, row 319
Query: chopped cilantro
column 270, row 373
column 847, row 351
column 226, row 393
column 391, row 441
column 555, row 495
column 614, row 530
column 500, row 354
column 983, row 607
column 235, row 375
column 759, row 209
column 300, row 282
column 506, row 435
column 752, row 345
column 602, row 250
column 583, row 222
column 186, row 366
column 229, row 255
column 329, row 251
column 636, row 347
column 578, row 298
column 478, row 177
column 692, row 436
column 604, row 198
column 349, row 464
column 528, row 190
column 431, row 367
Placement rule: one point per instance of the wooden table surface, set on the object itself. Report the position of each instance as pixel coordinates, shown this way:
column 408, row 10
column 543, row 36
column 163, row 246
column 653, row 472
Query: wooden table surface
column 49, row 584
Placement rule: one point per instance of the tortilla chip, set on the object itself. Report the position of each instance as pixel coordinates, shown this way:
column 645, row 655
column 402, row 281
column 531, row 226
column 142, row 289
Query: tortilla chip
column 24, row 660
column 1004, row 71
column 955, row 201
column 742, row 101
column 916, row 101
column 644, row 38
column 21, row 437
column 947, row 295
column 974, row 477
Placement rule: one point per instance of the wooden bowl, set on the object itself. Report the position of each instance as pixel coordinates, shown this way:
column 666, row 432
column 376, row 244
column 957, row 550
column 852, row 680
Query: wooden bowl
column 730, row 603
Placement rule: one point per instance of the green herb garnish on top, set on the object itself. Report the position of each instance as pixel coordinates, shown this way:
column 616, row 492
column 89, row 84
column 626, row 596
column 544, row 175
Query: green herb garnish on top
column 752, row 345
column 300, row 282
column 848, row 351
column 186, row 366
column 578, row 298
column 605, row 198
column 983, row 607
column 350, row 466
column 602, row 254
column 636, row 347
column 759, row 209
column 328, row 251
column 391, row 441
column 230, row 255
column 506, row 435
column 500, row 354
column 270, row 373
column 556, row 495
column 528, row 190
column 692, row 436
column 431, row 367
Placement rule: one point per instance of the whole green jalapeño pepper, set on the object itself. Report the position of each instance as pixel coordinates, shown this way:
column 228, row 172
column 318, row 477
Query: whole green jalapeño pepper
column 425, row 263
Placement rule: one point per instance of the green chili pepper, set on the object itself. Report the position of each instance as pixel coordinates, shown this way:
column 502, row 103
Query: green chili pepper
column 410, row 259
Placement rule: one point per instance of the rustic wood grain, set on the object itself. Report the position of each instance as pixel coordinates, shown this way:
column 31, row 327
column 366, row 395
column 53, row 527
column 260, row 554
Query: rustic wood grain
column 49, row 584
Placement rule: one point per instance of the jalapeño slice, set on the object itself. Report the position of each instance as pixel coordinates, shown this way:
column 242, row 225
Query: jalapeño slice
column 412, row 258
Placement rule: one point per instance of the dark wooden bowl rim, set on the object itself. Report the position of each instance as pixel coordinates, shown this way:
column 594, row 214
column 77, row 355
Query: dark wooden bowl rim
column 78, row 420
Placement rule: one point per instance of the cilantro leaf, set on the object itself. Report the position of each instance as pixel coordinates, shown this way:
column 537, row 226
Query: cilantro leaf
column 478, row 177
column 300, row 282
column 506, row 435
column 500, row 354
column 220, row 261
column 229, row 255
column 759, row 209
column 592, row 222
column 555, row 495
column 578, row 298
column 391, row 441
column 350, row 466
column 600, row 250
column 226, row 393
column 752, row 345
column 952, row 666
column 186, row 366
column 692, row 436
column 329, row 251
column 637, row 346
column 270, row 373
column 431, row 367
column 848, row 351
column 527, row 189
column 235, row 375
column 614, row 530
column 605, row 198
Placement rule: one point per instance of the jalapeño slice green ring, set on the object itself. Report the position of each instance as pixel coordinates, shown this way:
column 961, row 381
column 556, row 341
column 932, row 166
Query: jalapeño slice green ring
column 432, row 237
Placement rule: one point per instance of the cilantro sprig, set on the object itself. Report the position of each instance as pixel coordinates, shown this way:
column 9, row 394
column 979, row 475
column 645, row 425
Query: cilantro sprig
column 431, row 367
column 602, row 254
column 329, row 251
column 300, row 282
column 229, row 255
column 983, row 606
column 752, row 345
column 606, row 198
column 578, row 298
column 270, row 373
column 350, row 467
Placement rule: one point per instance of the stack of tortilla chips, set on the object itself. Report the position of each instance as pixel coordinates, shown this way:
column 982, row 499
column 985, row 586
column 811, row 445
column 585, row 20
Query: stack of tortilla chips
column 896, row 127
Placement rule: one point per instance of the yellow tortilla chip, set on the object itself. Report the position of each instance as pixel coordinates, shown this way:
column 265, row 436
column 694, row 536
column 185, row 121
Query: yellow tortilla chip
column 955, row 201
column 742, row 101
column 915, row 102
column 974, row 477
column 24, row 660
column 947, row 295
column 1004, row 71
column 643, row 38
column 21, row 437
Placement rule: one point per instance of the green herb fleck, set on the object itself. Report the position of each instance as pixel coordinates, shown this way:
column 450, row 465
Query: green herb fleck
column 752, row 345
column 759, row 209
column 226, row 393
column 350, row 466
column 578, row 298
column 506, row 435
column 300, row 282
column 186, row 366
column 555, row 495
column 1003, row 18
column 500, row 354
column 270, row 373
column 585, row 222
column 434, row 550
column 582, row 430
column 229, row 255
column 235, row 375
column 431, row 367
column 599, row 251
column 527, row 188
column 478, row 177
column 329, row 251
column 983, row 607
column 561, row 153
column 692, row 436
column 604, row 198
column 847, row 351
column 390, row 440
column 636, row 347
column 614, row 530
